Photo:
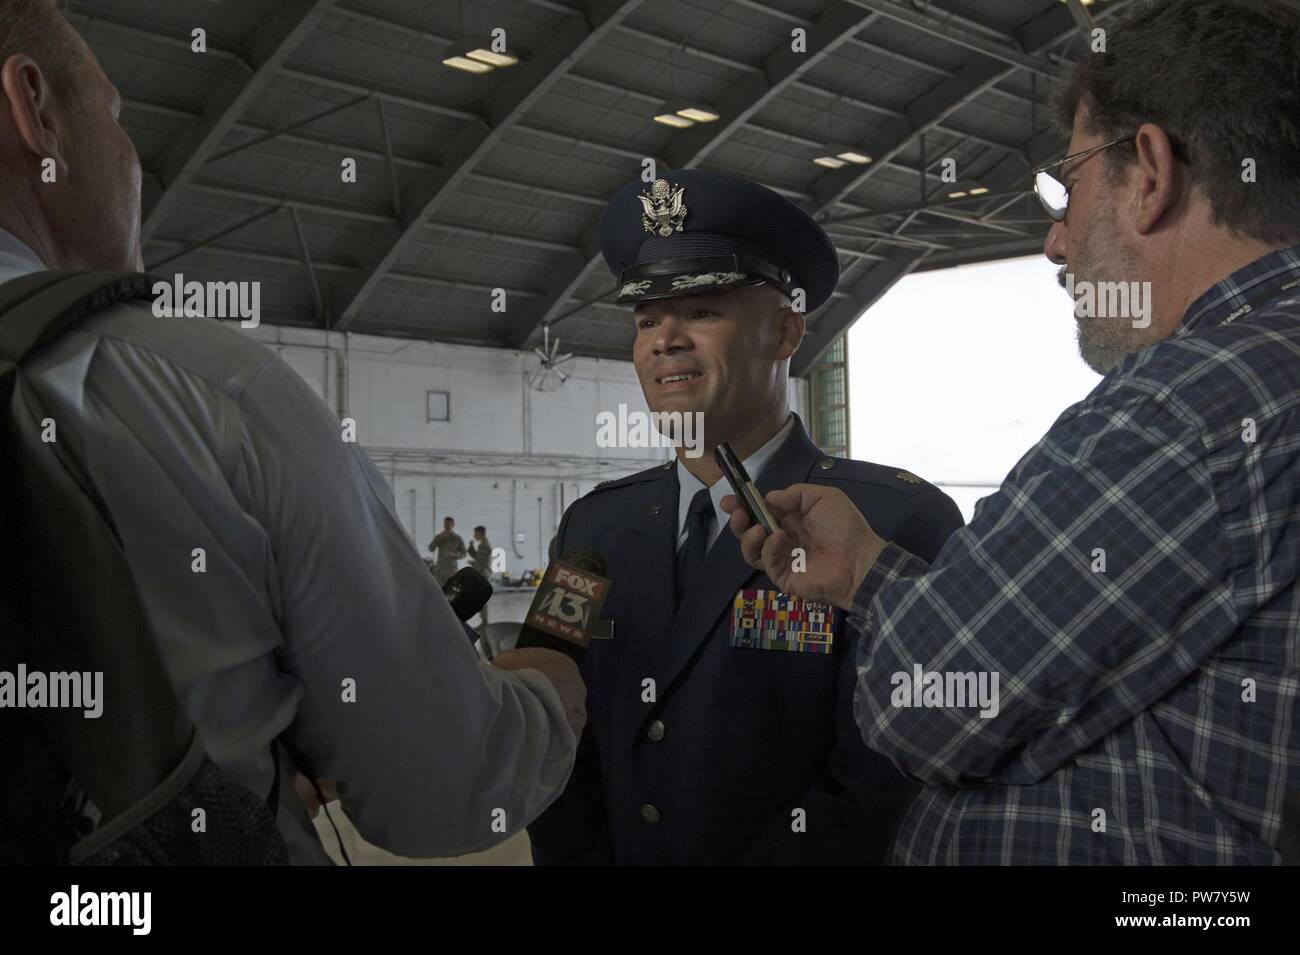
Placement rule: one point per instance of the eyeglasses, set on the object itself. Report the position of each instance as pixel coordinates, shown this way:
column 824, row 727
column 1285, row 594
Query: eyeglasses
column 1051, row 191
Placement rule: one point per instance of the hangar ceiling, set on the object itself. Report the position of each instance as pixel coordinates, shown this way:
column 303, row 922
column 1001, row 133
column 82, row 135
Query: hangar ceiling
column 466, row 183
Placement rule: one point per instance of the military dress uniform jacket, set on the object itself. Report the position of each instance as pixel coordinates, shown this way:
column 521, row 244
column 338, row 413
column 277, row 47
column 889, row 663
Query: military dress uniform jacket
column 710, row 762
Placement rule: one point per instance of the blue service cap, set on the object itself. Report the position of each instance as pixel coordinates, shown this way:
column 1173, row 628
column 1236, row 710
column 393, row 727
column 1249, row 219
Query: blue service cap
column 697, row 231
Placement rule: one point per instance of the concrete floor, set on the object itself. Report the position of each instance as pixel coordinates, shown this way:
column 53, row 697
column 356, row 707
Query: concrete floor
column 514, row 851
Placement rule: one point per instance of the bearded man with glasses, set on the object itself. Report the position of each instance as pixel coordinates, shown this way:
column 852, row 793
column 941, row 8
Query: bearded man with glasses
column 1135, row 581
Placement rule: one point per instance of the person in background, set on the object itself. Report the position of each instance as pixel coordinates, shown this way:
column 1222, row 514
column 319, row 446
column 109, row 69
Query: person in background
column 480, row 558
column 448, row 548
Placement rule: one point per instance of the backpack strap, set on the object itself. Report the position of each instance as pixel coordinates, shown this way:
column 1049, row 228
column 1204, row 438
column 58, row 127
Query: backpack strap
column 75, row 607
column 38, row 307
column 35, row 309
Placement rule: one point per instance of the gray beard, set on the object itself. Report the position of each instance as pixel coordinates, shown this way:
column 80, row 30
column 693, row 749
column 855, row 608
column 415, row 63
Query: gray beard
column 1105, row 342
column 1103, row 347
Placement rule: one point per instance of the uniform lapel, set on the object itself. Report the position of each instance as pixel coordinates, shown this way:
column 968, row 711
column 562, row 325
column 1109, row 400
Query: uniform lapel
column 725, row 571
column 650, row 567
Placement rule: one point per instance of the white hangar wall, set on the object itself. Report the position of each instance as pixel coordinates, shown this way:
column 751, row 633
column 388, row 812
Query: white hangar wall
column 507, row 457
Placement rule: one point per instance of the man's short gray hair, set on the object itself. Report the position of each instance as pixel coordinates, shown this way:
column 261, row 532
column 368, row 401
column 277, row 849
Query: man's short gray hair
column 37, row 28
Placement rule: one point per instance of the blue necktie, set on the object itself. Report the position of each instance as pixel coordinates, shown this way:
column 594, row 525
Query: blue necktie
column 690, row 558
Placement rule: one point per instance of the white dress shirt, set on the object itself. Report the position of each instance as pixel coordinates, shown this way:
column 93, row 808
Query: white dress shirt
column 196, row 436
column 689, row 485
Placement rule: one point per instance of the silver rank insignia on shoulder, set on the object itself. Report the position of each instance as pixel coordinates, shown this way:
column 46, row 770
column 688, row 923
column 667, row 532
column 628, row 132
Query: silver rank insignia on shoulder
column 908, row 476
column 665, row 208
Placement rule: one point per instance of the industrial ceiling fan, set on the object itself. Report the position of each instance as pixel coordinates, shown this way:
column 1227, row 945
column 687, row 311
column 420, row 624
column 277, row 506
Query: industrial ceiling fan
column 547, row 376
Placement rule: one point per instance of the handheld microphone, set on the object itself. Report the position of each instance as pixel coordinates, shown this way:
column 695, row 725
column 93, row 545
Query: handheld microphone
column 564, row 615
column 746, row 492
column 467, row 591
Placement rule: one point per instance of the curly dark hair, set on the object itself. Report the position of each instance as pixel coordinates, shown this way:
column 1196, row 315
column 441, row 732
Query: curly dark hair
column 1222, row 79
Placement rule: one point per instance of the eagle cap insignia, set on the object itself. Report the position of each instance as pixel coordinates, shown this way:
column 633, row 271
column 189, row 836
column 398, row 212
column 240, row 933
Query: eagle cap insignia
column 664, row 208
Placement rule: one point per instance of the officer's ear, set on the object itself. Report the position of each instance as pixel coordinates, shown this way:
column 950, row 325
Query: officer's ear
column 790, row 330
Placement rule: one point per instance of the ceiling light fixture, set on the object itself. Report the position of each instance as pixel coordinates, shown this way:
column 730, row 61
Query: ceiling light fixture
column 681, row 114
column 698, row 115
column 672, row 119
column 839, row 155
column 493, row 59
column 466, row 64
column 471, row 54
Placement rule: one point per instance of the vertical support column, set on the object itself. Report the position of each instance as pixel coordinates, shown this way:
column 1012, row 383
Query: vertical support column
column 924, row 168
column 392, row 164
column 316, row 298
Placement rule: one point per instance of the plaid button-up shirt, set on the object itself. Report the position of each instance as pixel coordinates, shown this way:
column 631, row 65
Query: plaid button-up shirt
column 1132, row 585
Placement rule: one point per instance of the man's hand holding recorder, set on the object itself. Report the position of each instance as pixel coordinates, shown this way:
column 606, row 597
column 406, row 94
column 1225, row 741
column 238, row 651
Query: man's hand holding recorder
column 838, row 544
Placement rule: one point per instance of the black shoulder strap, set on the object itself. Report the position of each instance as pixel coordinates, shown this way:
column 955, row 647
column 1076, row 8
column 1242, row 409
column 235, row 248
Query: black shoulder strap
column 67, row 591
column 35, row 309
column 38, row 307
